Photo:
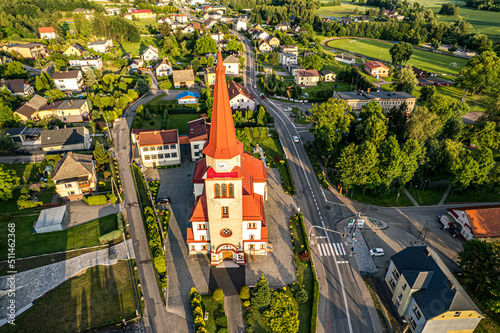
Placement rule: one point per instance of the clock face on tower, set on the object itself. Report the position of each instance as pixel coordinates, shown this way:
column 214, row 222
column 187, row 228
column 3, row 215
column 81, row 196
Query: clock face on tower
column 222, row 165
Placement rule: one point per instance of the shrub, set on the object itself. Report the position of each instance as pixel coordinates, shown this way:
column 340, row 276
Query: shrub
column 245, row 292
column 218, row 295
column 119, row 221
column 198, row 312
column 5, row 217
column 201, row 329
column 101, row 185
column 110, row 236
column 249, row 329
column 24, row 202
column 302, row 296
column 246, row 303
column 97, row 200
column 221, row 321
column 199, row 321
column 222, row 330
column 248, row 319
column 305, row 255
column 159, row 263
column 112, row 198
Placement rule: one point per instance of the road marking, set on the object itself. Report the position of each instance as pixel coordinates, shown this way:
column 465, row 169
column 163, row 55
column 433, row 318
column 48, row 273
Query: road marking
column 319, row 250
column 342, row 262
column 335, row 203
column 331, row 248
column 326, row 249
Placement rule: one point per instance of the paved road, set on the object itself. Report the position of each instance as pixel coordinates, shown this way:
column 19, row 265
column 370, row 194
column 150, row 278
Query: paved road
column 342, row 307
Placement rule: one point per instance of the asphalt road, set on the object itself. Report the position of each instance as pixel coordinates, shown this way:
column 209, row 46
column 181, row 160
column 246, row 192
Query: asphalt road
column 341, row 306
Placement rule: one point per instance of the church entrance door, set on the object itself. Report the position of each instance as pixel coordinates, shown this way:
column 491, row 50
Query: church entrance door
column 227, row 255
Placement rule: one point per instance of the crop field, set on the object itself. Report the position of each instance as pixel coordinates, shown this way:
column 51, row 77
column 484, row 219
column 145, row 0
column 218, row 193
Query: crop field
column 428, row 61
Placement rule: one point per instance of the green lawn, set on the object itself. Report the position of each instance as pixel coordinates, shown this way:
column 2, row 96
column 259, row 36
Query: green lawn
column 48, row 192
column 136, row 48
column 30, row 244
column 215, row 309
column 374, row 199
column 469, row 196
column 145, row 22
column 430, row 196
column 101, row 296
column 301, row 118
column 153, row 124
column 428, row 61
column 25, row 171
column 346, row 9
column 180, row 121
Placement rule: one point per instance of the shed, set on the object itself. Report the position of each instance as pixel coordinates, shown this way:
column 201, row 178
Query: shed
column 51, row 219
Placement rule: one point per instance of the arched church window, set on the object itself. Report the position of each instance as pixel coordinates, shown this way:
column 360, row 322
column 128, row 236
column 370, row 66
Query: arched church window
column 231, row 190
column 217, row 190
column 224, row 190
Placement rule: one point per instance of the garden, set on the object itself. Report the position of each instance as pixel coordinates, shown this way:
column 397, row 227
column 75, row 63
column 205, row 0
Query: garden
column 208, row 311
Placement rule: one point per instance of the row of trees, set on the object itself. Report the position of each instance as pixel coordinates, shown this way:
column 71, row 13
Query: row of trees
column 114, row 27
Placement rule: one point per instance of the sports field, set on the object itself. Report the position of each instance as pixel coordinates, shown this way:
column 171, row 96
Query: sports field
column 428, row 61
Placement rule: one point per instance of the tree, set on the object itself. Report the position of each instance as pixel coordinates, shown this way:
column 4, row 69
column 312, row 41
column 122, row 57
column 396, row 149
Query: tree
column 15, row 70
column 358, row 166
column 7, row 146
column 481, row 73
column 411, row 155
column 218, row 295
column 47, row 80
column 396, row 120
column 234, row 45
column 401, row 52
column 390, row 162
column 39, row 85
column 101, row 155
column 331, row 121
column 312, row 61
column 301, row 296
column 6, row 113
column 245, row 292
column 261, row 116
column 405, row 79
column 426, row 93
column 471, row 167
column 485, row 135
column 142, row 86
column 165, row 30
column 91, row 79
column 210, row 61
column 54, row 95
column 422, row 125
column 204, row 45
column 282, row 315
column 245, row 137
column 480, row 265
column 371, row 129
column 275, row 58
column 452, row 128
column 8, row 182
column 261, row 294
column 195, row 64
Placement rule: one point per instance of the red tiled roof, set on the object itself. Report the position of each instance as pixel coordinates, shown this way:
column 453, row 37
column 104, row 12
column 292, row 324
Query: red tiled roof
column 196, row 25
column 137, row 11
column 199, row 212
column 199, row 171
column 45, row 30
column 158, row 137
column 307, row 73
column 484, row 220
column 375, row 64
column 223, row 143
column 198, row 129
column 183, row 139
column 235, row 89
column 211, row 173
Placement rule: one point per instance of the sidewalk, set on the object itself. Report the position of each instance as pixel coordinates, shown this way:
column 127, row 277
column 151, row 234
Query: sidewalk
column 412, row 199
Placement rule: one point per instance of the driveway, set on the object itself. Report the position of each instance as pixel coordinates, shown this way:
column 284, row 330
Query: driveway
column 80, row 212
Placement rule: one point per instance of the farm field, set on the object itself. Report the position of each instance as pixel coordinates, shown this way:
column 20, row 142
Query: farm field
column 438, row 63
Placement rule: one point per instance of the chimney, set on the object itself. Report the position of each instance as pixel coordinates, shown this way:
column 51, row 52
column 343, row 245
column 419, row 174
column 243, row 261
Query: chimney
column 368, row 90
column 65, row 126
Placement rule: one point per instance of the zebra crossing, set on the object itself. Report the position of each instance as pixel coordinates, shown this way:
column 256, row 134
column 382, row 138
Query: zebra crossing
column 330, row 249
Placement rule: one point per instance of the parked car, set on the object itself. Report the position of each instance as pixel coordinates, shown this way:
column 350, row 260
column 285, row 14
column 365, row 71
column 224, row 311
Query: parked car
column 446, row 84
column 287, row 109
column 263, row 96
column 437, row 84
column 377, row 252
column 420, row 84
column 124, row 116
column 295, row 139
column 163, row 200
column 255, row 86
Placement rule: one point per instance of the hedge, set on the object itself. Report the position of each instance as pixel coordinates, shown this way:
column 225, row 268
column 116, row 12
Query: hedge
column 318, row 171
column 119, row 221
column 96, row 200
column 110, row 236
column 112, row 197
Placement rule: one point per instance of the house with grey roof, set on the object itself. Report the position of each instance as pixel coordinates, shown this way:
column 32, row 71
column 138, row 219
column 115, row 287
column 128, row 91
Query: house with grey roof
column 18, row 87
column 68, row 80
column 427, row 295
column 66, row 139
column 30, row 109
column 75, row 176
column 386, row 99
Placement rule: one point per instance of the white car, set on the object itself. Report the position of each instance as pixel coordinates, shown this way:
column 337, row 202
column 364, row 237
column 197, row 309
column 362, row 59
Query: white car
column 377, row 252
column 255, row 86
column 295, row 139
column 287, row 109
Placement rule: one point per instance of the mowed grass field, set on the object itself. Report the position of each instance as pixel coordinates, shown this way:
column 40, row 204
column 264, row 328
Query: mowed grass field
column 428, row 61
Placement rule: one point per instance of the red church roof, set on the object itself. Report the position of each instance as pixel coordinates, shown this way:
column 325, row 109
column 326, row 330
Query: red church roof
column 223, row 143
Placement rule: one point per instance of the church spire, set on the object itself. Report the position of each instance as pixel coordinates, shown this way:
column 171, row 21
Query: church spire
column 223, row 143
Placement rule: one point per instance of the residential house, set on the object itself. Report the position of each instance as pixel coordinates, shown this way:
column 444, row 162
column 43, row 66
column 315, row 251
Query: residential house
column 481, row 222
column 232, row 64
column 209, row 23
column 66, row 139
column 181, row 18
column 288, row 59
column 73, row 111
column 113, row 11
column 150, row 54
column 74, row 50
column 307, row 77
column 164, row 19
column 264, row 46
column 157, row 148
column 128, row 16
column 18, row 87
column 143, row 14
column 257, row 34
column 196, row 25
column 164, row 68
column 215, row 15
column 281, row 27
column 239, row 97
column 86, row 63
column 207, row 9
column 75, row 176
column 273, row 41
column 47, row 33
column 101, row 46
column 219, row 7
column 183, row 78
column 240, row 25
column 28, row 111
column 218, row 37
column 209, row 76
column 188, row 97
column 258, row 27
column 88, row 13
column 294, row 68
column 198, row 134
column 296, row 29
column 48, row 110
column 376, row 69
column 176, row 25
column 346, row 59
column 188, row 29
column 388, row 100
column 293, row 49
column 68, row 80
column 23, row 134
column 30, row 50
column 390, row 12
column 426, row 294
column 327, row 76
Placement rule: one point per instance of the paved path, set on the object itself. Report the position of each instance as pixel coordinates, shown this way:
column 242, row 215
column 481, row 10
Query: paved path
column 412, row 199
column 234, row 313
column 21, row 159
column 445, row 195
column 32, row 284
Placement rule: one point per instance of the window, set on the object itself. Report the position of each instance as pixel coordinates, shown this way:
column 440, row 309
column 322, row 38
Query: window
column 217, row 190
column 203, row 237
column 147, row 157
column 174, row 155
column 68, row 185
column 160, row 155
column 399, row 298
column 231, row 190
column 457, row 314
column 167, row 155
column 202, row 227
column 224, row 190
column 226, row 232
column 262, row 246
column 252, row 225
column 395, row 273
column 154, row 157
column 145, row 149
column 203, row 247
column 225, row 211
column 152, row 148
column 417, row 312
column 172, row 146
column 251, row 247
column 158, row 147
column 165, row 147
column 193, row 248
column 404, row 286
column 71, row 192
column 252, row 237
column 412, row 322
column 196, row 154
column 196, row 147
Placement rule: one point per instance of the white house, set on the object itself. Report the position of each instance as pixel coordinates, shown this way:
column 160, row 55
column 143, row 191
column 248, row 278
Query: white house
column 181, row 18
column 68, row 80
column 47, row 33
column 346, row 59
column 288, row 59
column 101, row 46
column 86, row 63
column 240, row 25
column 281, row 27
column 150, row 54
column 293, row 49
column 218, row 37
column 188, row 97
column 17, row 87
column 164, row 68
column 239, row 97
column 164, row 19
column 157, row 148
column 188, row 29
column 260, row 35
column 232, row 65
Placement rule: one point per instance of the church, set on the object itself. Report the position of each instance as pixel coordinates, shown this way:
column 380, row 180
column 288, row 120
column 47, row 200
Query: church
column 229, row 185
